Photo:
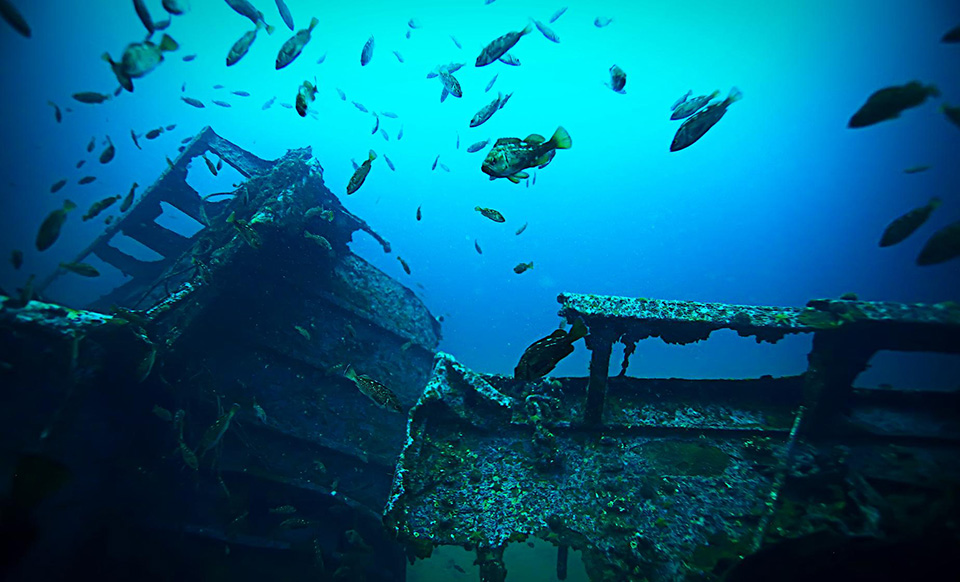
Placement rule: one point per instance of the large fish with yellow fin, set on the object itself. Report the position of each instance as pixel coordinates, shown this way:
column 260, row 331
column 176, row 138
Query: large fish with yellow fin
column 510, row 156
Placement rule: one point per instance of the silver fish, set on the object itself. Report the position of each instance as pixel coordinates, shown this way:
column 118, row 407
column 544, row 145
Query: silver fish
column 367, row 53
column 546, row 31
column 557, row 14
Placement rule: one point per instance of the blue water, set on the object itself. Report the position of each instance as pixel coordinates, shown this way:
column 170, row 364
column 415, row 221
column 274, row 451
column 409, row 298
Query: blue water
column 777, row 204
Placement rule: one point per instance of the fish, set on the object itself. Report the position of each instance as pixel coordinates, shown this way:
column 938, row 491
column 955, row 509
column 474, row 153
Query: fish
column 138, row 59
column 57, row 186
column 245, row 8
column 681, row 100
column 458, row 140
column 242, row 46
column 13, row 17
column 389, row 114
column 695, row 127
column 413, row 23
column 522, row 267
column 99, row 206
column 294, row 46
column 80, row 163
column 213, row 435
column 16, row 258
column 509, row 59
column 210, row 166
column 305, row 95
column 376, row 125
column 602, row 22
column 285, row 14
column 942, row 246
column 141, row 7
column 50, row 228
column 57, row 114
column 546, row 31
column 361, row 173
column 952, row 35
column 618, row 80
column 284, row 510
column 490, row 84
column 128, row 200
column 522, row 228
column 450, row 85
column 367, row 53
column 905, row 225
column 400, row 134
column 360, row 107
column 384, row 135
column 86, row 180
column 889, row 103
column 389, row 163
column 91, row 97
column 261, row 415
column 476, row 147
column 510, row 156
column 154, row 133
column 321, row 241
column 91, row 144
column 476, row 245
column 444, row 167
column 456, row 42
column 375, row 391
column 192, row 102
column 399, row 56
column 136, row 139
column 322, row 58
column 171, row 127
column 221, row 103
column 269, row 103
column 688, row 107
column 557, row 14
column 419, row 213
column 491, row 214
column 343, row 96
column 176, row 7
column 543, row 355
column 916, row 169
column 286, row 106
column 499, row 46
column 106, row 156
column 82, row 269
column 449, row 67
column 219, row 164
column 304, row 333
column 435, row 162
column 952, row 113
column 406, row 267
column 245, row 230
column 488, row 110
column 189, row 58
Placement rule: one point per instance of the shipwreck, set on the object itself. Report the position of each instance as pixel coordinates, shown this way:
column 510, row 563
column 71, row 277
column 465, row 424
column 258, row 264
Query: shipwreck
column 255, row 318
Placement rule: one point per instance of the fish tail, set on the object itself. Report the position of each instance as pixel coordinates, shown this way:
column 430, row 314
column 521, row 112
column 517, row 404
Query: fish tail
column 578, row 330
column 477, row 208
column 167, row 44
column 561, row 139
column 313, row 24
column 530, row 265
column 106, row 57
column 372, row 156
column 735, row 95
column 269, row 28
column 526, row 30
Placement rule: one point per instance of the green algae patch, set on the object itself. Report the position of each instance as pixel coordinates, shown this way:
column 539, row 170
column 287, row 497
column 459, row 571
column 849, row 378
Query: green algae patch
column 685, row 458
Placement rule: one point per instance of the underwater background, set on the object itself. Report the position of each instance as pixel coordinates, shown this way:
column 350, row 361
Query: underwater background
column 778, row 204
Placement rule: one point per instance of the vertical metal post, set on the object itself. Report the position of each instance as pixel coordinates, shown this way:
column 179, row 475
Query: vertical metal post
column 600, row 348
column 562, row 552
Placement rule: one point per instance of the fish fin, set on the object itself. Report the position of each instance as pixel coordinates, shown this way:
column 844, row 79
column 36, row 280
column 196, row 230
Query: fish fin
column 167, row 44
column 313, row 24
column 372, row 155
column 269, row 28
column 535, row 138
column 69, row 205
column 232, row 218
column 735, row 95
column 578, row 331
column 443, row 95
column 522, row 175
column 514, row 179
column 561, row 139
column 717, row 92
